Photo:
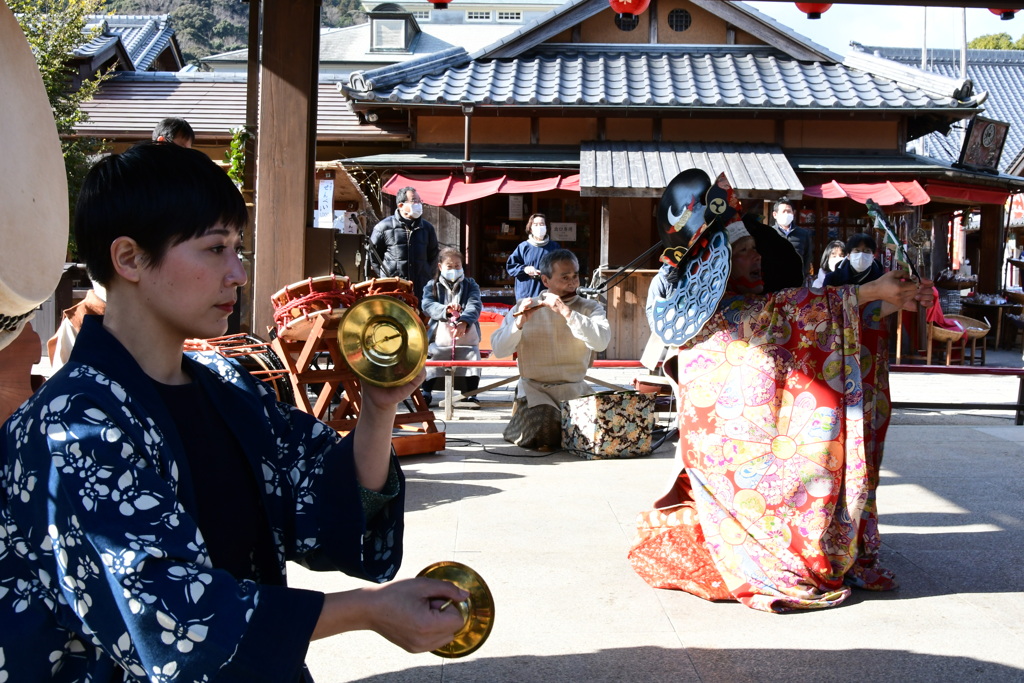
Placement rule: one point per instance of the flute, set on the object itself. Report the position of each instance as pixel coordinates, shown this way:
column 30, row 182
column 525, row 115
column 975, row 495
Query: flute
column 526, row 310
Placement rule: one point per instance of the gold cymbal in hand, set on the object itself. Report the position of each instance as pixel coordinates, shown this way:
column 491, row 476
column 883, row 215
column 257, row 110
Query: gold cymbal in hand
column 477, row 610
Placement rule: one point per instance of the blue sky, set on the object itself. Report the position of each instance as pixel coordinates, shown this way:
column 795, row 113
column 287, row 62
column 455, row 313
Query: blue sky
column 890, row 25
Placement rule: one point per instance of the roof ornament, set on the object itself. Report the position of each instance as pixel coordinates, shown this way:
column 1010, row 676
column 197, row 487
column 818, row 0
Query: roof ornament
column 627, row 9
column 813, row 10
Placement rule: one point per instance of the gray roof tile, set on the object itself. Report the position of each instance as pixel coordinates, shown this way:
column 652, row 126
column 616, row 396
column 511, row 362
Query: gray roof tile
column 655, row 75
column 129, row 105
column 144, row 37
column 643, row 169
column 999, row 72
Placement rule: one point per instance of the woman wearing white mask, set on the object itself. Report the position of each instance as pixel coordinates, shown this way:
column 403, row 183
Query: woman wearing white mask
column 522, row 264
column 452, row 302
column 833, row 255
column 860, row 265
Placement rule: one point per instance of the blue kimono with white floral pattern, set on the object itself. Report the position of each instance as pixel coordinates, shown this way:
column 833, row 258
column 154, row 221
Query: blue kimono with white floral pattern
column 102, row 565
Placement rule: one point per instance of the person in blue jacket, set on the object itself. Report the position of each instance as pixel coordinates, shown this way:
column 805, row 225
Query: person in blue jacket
column 452, row 302
column 524, row 263
column 149, row 499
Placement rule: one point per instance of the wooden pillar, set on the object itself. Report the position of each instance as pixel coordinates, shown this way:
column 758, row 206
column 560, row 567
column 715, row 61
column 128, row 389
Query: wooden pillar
column 990, row 268
column 285, row 149
column 606, row 228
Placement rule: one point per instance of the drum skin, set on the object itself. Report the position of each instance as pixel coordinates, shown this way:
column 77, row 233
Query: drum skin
column 33, row 182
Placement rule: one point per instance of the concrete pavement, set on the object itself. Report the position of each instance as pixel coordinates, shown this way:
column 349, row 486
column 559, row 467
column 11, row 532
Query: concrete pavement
column 549, row 534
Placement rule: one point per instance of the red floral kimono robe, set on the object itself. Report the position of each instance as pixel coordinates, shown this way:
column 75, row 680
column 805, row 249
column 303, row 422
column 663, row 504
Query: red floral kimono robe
column 783, row 407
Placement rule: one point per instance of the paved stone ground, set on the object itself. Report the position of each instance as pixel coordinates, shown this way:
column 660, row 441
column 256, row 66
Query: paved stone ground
column 550, row 534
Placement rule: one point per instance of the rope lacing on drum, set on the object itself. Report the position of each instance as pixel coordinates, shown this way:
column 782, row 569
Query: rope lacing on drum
column 314, row 301
column 9, row 323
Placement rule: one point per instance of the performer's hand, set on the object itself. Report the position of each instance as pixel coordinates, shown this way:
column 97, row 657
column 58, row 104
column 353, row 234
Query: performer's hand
column 460, row 330
column 406, row 612
column 531, row 271
column 524, row 309
column 895, row 287
column 387, row 398
column 555, row 303
column 925, row 297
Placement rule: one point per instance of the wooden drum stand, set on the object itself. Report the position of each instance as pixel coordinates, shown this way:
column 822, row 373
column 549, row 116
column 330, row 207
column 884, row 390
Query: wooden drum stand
column 415, row 431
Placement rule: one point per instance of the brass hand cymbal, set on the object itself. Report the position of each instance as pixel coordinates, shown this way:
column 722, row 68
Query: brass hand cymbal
column 477, row 610
column 383, row 340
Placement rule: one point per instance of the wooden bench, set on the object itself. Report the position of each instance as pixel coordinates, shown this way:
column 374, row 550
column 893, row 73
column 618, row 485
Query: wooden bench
column 1017, row 408
column 449, row 376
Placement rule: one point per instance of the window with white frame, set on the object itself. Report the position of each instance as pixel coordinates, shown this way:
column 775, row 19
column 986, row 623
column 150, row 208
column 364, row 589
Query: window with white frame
column 421, row 14
column 510, row 16
column 478, row 16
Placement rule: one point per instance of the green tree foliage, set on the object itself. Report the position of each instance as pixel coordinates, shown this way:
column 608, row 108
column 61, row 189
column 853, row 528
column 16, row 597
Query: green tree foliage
column 996, row 41
column 54, row 28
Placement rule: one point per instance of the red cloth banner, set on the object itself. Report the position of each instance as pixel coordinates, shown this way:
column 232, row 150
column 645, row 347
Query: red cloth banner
column 447, row 190
column 884, row 194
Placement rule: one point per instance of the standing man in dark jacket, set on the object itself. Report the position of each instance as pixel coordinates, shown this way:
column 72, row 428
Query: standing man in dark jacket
column 405, row 243
column 800, row 238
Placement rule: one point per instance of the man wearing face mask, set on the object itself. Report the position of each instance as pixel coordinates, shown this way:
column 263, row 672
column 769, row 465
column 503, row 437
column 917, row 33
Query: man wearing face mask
column 800, row 238
column 860, row 265
column 405, row 243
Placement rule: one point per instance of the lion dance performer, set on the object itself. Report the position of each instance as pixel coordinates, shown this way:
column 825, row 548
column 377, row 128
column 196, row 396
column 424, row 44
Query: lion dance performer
column 782, row 416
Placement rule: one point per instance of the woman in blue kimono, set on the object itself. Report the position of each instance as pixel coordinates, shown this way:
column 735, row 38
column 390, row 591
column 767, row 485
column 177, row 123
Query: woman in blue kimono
column 149, row 499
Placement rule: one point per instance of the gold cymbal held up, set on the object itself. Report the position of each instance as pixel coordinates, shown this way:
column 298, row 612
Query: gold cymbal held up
column 383, row 341
column 477, row 610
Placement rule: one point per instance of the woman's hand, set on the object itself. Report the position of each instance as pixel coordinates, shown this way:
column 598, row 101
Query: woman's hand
column 407, row 612
column 387, row 398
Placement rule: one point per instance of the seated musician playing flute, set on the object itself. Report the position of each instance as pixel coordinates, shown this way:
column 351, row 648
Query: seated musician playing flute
column 556, row 336
column 151, row 498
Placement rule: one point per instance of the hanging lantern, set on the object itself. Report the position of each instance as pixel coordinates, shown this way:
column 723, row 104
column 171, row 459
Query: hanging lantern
column 1004, row 14
column 441, row 4
column 813, row 10
column 629, row 8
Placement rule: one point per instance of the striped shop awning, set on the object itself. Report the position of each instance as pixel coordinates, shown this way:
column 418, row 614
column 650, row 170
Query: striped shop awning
column 644, row 169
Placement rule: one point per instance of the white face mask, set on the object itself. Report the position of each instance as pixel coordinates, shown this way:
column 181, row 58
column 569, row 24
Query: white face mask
column 834, row 261
column 415, row 210
column 539, row 231
column 784, row 219
column 452, row 274
column 860, row 260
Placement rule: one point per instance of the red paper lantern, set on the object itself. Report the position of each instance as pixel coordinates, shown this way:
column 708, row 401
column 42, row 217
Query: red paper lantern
column 629, row 7
column 441, row 4
column 1004, row 14
column 813, row 10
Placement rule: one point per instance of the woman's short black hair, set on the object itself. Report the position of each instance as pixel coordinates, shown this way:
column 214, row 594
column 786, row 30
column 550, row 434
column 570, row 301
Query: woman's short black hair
column 860, row 238
column 160, row 195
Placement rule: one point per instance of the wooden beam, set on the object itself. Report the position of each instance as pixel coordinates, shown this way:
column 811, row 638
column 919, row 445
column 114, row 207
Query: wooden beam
column 285, row 149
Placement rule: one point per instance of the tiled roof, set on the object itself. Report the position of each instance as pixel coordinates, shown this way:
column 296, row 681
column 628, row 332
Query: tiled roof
column 999, row 72
column 692, row 76
column 129, row 105
column 144, row 37
column 644, row 169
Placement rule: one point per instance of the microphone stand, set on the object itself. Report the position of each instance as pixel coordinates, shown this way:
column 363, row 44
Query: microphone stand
column 621, row 274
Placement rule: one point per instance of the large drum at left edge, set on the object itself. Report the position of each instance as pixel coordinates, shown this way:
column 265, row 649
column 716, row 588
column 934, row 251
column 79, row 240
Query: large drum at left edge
column 33, row 185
